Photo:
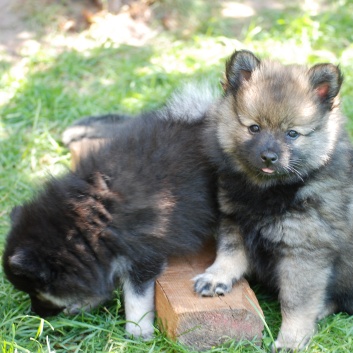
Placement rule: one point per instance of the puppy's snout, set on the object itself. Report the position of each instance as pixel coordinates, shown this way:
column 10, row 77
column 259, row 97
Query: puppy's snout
column 44, row 308
column 269, row 157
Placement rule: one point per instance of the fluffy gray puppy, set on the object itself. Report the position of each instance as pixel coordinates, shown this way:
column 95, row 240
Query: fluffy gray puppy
column 285, row 190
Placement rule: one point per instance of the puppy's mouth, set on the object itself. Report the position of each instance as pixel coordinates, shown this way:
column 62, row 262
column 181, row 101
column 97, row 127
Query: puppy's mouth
column 268, row 170
column 273, row 172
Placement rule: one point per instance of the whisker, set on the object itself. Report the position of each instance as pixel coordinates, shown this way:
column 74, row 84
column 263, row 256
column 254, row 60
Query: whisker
column 292, row 168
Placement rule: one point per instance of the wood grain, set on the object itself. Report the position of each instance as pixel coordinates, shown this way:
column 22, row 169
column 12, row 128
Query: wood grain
column 202, row 323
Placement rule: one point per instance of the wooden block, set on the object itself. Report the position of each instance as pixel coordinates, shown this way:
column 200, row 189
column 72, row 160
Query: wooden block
column 199, row 322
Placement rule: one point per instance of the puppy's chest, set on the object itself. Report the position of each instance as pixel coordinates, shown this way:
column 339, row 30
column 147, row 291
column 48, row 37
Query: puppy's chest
column 265, row 215
column 236, row 196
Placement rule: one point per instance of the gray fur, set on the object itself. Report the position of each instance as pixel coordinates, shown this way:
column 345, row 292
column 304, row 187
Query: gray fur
column 285, row 190
column 191, row 101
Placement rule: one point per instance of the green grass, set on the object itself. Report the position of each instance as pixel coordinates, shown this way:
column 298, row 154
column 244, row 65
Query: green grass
column 48, row 89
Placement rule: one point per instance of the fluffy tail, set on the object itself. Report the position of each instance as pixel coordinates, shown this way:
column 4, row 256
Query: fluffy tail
column 190, row 102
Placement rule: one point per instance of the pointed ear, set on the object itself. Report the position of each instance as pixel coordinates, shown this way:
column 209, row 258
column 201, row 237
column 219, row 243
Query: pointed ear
column 239, row 68
column 326, row 80
column 25, row 264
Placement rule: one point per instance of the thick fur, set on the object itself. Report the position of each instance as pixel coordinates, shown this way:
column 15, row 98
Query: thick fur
column 187, row 104
column 285, row 190
column 147, row 193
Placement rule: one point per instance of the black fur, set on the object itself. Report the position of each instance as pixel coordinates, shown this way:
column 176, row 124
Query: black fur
column 146, row 194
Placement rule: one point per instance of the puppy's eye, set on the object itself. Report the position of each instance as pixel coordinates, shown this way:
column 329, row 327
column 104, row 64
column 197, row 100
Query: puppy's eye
column 293, row 134
column 254, row 129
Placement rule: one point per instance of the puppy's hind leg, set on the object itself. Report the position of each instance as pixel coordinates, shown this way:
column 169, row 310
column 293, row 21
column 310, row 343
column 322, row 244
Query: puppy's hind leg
column 230, row 265
column 93, row 127
column 139, row 309
column 303, row 284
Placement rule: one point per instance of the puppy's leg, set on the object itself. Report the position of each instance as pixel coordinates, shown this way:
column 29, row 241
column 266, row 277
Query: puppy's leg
column 303, row 282
column 139, row 308
column 230, row 265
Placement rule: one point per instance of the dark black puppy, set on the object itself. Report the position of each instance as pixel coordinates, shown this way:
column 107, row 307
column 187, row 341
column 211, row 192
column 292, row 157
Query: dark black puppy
column 145, row 194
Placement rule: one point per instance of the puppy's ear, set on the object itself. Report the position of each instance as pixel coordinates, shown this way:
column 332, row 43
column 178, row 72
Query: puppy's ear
column 101, row 182
column 326, row 80
column 24, row 263
column 239, row 68
column 100, row 186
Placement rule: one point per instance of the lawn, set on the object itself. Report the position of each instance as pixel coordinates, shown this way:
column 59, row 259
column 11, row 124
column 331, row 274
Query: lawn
column 91, row 72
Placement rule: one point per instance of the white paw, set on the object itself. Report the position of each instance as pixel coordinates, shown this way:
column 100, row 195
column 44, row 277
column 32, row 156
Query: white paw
column 291, row 342
column 143, row 330
column 278, row 347
column 139, row 311
column 210, row 285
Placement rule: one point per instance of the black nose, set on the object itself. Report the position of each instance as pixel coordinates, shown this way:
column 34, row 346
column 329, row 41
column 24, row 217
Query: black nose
column 269, row 157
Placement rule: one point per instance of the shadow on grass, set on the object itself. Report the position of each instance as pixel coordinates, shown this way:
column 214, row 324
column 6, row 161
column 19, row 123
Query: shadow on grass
column 325, row 24
column 58, row 90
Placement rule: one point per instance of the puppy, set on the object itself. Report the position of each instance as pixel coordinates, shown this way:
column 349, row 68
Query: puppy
column 285, row 190
column 146, row 193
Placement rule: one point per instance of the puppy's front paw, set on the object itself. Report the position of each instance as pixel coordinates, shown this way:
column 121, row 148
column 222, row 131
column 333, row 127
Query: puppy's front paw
column 209, row 285
column 145, row 332
column 219, row 278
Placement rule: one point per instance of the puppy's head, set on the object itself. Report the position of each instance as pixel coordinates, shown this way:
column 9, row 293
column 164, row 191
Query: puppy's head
column 278, row 123
column 52, row 248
